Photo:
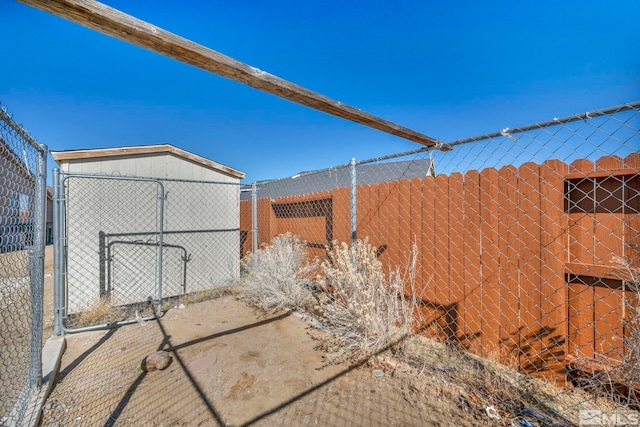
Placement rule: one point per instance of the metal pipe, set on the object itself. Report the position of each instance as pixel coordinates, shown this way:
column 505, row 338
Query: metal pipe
column 353, row 201
column 505, row 132
column 555, row 121
column 6, row 118
column 153, row 233
column 160, row 241
column 254, row 217
column 394, row 156
column 109, row 325
column 153, row 179
column 57, row 255
column 36, row 264
column 186, row 258
column 63, row 248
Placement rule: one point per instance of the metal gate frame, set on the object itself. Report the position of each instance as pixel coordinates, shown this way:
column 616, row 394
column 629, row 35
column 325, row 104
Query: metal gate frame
column 60, row 241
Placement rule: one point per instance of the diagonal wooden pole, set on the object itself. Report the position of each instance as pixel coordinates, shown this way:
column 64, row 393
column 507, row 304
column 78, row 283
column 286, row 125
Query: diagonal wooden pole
column 110, row 21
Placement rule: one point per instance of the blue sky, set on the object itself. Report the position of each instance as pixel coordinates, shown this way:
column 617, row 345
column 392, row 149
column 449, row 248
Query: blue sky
column 447, row 69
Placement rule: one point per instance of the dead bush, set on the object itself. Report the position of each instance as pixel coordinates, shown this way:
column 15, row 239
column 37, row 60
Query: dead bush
column 102, row 312
column 368, row 310
column 278, row 276
column 617, row 377
column 631, row 266
column 629, row 370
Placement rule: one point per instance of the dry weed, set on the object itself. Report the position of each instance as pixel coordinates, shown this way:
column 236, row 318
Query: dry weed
column 631, row 269
column 618, row 378
column 99, row 313
column 484, row 383
column 278, row 276
column 627, row 372
column 198, row 296
column 102, row 312
column 368, row 311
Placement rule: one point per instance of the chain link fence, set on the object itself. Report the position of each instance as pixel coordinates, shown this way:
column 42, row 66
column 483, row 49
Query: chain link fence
column 22, row 221
column 131, row 244
column 528, row 245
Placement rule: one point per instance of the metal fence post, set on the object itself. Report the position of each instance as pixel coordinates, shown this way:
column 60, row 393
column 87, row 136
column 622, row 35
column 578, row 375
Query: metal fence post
column 57, row 253
column 163, row 197
column 254, row 217
column 352, row 165
column 36, row 264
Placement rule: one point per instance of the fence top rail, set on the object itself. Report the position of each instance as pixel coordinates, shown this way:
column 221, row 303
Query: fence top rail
column 142, row 178
column 17, row 128
column 508, row 131
column 553, row 122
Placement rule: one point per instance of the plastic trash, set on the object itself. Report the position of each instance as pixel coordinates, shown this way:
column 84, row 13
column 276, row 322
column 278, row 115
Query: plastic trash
column 139, row 319
column 492, row 412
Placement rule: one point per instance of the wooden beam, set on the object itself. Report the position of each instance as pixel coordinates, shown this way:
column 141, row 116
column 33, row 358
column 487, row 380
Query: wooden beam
column 110, row 21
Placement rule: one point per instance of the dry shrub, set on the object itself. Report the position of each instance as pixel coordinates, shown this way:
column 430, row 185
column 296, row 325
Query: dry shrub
column 279, row 276
column 631, row 268
column 629, row 370
column 368, row 311
column 483, row 383
column 98, row 313
column 618, row 378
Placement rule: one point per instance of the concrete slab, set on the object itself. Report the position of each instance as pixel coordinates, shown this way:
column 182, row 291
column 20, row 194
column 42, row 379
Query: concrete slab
column 51, row 357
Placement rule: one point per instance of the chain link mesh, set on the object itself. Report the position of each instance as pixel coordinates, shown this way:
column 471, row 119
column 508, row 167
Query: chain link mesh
column 20, row 270
column 119, row 230
column 202, row 238
column 528, row 244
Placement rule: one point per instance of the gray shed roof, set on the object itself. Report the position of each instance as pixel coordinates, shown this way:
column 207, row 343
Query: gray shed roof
column 328, row 179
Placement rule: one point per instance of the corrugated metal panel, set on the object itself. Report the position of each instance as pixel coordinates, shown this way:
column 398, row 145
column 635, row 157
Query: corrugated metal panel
column 328, row 179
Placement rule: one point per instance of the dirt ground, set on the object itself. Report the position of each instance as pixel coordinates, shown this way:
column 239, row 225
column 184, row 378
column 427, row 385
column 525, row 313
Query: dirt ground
column 233, row 366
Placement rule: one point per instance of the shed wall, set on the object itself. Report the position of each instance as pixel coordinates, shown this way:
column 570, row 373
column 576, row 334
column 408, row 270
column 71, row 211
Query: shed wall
column 201, row 223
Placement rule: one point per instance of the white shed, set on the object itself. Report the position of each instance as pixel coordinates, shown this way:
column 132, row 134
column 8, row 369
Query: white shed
column 120, row 203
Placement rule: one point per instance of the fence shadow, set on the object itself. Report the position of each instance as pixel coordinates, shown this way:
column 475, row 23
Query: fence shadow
column 167, row 345
column 214, row 413
column 539, row 351
column 442, row 322
column 69, row 368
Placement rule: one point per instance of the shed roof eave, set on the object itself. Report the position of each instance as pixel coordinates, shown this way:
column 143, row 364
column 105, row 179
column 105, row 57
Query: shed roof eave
column 61, row 157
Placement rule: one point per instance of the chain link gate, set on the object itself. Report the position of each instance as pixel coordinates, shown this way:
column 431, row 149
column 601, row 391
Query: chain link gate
column 109, row 257
column 128, row 243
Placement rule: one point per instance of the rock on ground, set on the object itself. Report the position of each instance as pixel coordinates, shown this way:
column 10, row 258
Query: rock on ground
column 158, row 360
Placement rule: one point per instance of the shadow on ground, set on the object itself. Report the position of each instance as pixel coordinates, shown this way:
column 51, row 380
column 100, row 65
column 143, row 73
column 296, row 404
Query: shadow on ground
column 230, row 367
